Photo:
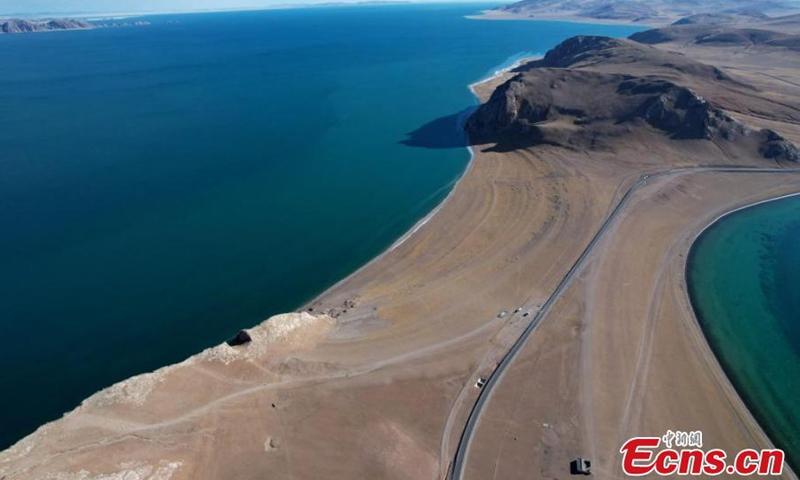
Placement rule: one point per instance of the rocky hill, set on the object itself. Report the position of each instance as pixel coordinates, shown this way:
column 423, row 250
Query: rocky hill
column 593, row 92
column 722, row 18
column 31, row 26
column 788, row 23
column 725, row 31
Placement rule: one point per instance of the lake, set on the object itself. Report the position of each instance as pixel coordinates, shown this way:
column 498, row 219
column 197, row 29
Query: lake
column 163, row 186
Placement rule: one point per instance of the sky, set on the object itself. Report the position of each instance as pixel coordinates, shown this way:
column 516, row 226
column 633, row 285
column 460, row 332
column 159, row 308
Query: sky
column 41, row 7
column 63, row 7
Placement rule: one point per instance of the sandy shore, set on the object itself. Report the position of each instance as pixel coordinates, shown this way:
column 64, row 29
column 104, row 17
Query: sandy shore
column 376, row 378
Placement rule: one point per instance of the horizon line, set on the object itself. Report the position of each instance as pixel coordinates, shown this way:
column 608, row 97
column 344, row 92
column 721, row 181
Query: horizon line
column 99, row 14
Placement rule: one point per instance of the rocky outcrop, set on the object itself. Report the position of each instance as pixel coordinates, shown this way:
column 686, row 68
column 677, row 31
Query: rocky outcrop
column 31, row 26
column 679, row 112
column 591, row 99
column 776, row 147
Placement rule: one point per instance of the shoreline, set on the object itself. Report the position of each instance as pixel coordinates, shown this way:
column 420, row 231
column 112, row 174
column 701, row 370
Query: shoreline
column 427, row 217
column 712, row 354
column 498, row 73
column 424, row 220
column 486, row 15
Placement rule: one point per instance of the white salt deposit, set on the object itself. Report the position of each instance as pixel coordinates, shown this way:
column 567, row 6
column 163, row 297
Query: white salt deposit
column 126, row 471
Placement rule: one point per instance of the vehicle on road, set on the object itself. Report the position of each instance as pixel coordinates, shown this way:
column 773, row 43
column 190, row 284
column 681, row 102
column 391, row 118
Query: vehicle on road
column 580, row 466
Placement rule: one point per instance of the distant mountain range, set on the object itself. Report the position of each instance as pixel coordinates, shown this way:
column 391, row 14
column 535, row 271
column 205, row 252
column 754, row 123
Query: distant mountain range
column 643, row 11
column 33, row 26
column 29, row 26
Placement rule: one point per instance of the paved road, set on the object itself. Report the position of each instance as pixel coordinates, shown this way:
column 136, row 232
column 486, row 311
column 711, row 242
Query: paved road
column 460, row 459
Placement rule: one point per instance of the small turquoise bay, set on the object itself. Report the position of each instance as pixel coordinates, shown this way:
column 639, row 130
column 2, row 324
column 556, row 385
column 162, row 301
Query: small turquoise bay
column 744, row 280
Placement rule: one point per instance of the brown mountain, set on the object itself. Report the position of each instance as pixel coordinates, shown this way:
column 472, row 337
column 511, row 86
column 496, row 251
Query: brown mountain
column 642, row 11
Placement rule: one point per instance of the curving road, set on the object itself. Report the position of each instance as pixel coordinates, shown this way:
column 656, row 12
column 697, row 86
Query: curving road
column 462, row 450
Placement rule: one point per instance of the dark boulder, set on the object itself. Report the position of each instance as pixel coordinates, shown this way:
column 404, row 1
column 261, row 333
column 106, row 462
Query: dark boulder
column 239, row 339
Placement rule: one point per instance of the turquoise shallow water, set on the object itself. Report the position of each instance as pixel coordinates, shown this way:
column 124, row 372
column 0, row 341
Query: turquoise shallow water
column 744, row 280
column 163, row 186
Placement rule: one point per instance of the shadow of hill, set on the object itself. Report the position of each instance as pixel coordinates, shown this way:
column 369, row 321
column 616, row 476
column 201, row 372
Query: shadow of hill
column 442, row 133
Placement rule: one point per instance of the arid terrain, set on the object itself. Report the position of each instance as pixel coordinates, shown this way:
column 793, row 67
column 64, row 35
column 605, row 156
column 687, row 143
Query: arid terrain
column 594, row 170
column 642, row 12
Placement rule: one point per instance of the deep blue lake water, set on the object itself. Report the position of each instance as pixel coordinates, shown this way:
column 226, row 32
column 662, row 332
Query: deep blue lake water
column 163, row 186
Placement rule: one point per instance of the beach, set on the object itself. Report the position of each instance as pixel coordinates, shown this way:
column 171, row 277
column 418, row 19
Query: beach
column 376, row 377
